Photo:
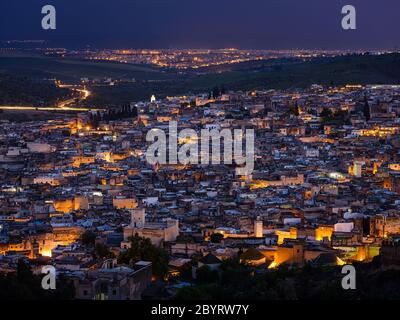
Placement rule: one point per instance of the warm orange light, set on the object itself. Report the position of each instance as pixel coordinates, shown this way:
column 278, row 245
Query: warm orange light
column 340, row 262
column 46, row 253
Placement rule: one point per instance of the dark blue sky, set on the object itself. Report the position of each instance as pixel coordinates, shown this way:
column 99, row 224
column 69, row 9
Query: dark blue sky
column 263, row 24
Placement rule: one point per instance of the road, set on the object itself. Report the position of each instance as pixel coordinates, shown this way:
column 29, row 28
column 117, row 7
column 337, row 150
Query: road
column 63, row 105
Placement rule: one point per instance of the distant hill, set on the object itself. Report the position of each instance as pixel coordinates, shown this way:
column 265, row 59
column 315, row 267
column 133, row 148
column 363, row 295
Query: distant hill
column 274, row 73
column 351, row 69
column 28, row 92
column 74, row 69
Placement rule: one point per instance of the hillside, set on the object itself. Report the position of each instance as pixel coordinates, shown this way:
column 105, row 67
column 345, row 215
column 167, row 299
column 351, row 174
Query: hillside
column 279, row 74
column 73, row 69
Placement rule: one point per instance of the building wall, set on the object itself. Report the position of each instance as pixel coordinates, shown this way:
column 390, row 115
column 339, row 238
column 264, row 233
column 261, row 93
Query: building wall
column 290, row 255
column 65, row 205
column 156, row 236
column 102, row 286
column 283, row 234
column 258, row 228
column 47, row 180
column 383, row 227
column 125, row 203
column 187, row 249
column 43, row 243
column 323, row 232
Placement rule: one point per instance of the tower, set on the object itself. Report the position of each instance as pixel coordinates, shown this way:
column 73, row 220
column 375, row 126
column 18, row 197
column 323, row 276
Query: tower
column 172, row 230
column 138, row 218
column 358, row 168
column 258, row 228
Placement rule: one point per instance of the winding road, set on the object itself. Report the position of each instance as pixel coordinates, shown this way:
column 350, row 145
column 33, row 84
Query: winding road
column 63, row 105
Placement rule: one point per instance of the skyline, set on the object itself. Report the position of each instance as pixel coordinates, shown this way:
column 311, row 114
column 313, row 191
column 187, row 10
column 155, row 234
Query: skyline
column 186, row 151
column 255, row 24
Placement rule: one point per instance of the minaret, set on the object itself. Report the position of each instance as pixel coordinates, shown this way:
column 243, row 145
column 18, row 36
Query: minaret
column 138, row 218
column 258, row 228
column 358, row 168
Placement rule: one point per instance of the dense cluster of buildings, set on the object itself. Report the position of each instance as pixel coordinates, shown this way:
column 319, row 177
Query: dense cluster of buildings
column 196, row 58
column 325, row 188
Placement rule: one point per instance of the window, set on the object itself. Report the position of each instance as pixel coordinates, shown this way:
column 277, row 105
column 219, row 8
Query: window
column 85, row 292
column 114, row 292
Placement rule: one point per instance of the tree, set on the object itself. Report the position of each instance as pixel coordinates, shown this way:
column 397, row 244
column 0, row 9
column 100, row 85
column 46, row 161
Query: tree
column 102, row 251
column 183, row 238
column 326, row 114
column 186, row 270
column 88, row 238
column 216, row 93
column 24, row 285
column 367, row 110
column 192, row 293
column 223, row 90
column 142, row 249
column 341, row 117
column 24, row 273
column 233, row 272
column 216, row 238
column 295, row 109
column 206, row 275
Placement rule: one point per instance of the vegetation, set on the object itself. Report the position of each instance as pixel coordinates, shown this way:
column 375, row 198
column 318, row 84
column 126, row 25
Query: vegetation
column 275, row 73
column 340, row 117
column 183, row 238
column 240, row 281
column 39, row 67
column 143, row 249
column 123, row 112
column 216, row 237
column 288, row 74
column 101, row 251
column 24, row 91
column 206, row 275
column 367, row 110
column 88, row 238
column 24, row 285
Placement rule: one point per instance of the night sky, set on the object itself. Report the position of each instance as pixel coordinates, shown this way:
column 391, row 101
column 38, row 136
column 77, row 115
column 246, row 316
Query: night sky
column 258, row 24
